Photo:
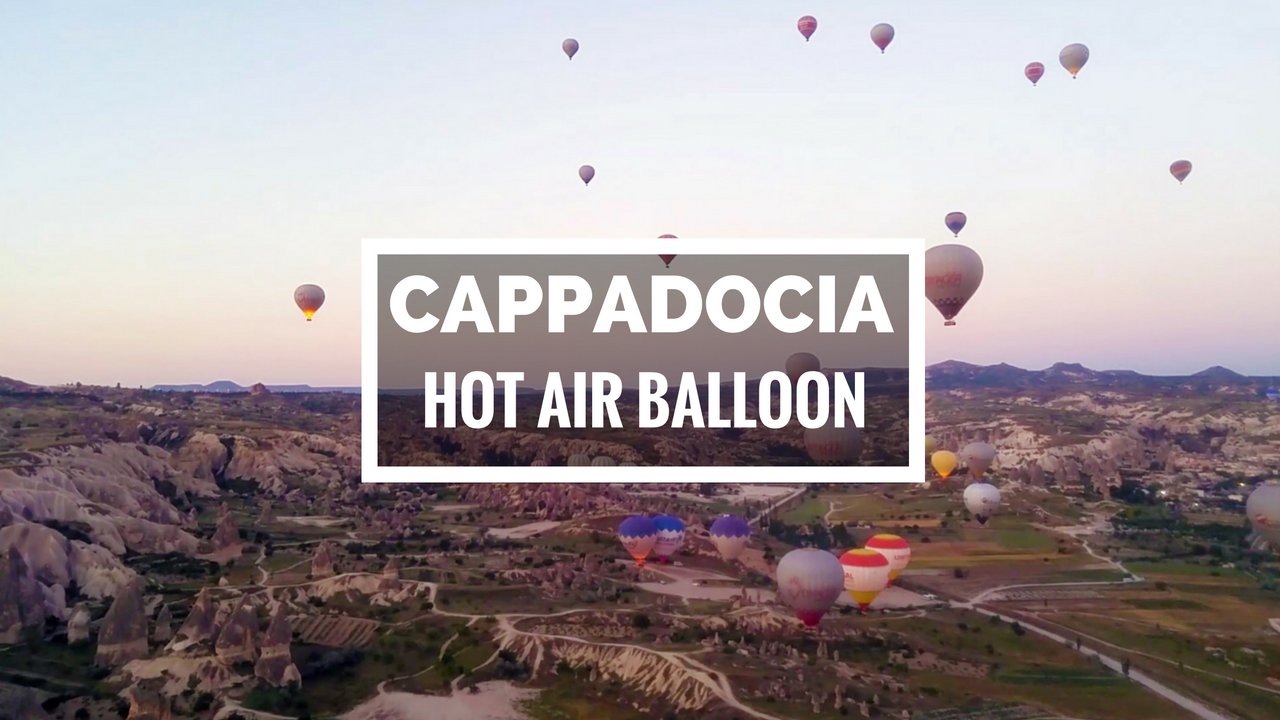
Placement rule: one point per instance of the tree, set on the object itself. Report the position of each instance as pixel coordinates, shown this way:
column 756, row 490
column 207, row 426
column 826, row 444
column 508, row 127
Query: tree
column 1124, row 667
column 641, row 621
column 1018, row 629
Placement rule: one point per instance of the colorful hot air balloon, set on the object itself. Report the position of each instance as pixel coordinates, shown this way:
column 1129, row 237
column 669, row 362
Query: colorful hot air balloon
column 729, row 533
column 982, row 499
column 809, row 582
column 586, row 172
column 670, row 536
column 978, row 457
column 894, row 549
column 570, row 47
column 952, row 274
column 866, row 575
column 807, row 25
column 801, row 363
column 1263, row 509
column 944, row 463
column 538, row 463
column 309, row 299
column 603, row 461
column 638, row 535
column 579, row 460
column 830, row 445
column 955, row 222
column 1034, row 72
column 1073, row 57
column 929, row 445
column 882, row 35
column 1180, row 170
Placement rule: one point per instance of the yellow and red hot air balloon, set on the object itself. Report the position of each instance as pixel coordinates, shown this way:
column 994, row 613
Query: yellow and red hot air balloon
column 944, row 462
column 309, row 298
column 894, row 549
column 866, row 575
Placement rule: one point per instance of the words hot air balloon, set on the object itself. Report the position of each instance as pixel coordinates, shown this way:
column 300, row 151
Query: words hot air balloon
column 579, row 460
column 670, row 536
column 603, row 461
column 1180, row 170
column 809, row 582
column 638, row 535
column 807, row 25
column 866, row 575
column 801, row 363
column 895, row 549
column 944, row 462
column 978, row 457
column 570, row 47
column 729, row 533
column 309, row 298
column 955, row 222
column 952, row 274
column 586, row 172
column 882, row 35
column 1073, row 57
column 1263, row 509
column 982, row 499
column 1034, row 71
column 830, row 445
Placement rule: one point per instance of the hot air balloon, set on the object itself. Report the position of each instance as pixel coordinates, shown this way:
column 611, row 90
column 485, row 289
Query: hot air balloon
column 538, row 463
column 929, row 445
column 807, row 25
column 830, row 445
column 627, row 464
column 952, row 274
column 944, row 462
column 638, row 535
column 586, row 172
column 894, row 549
column 982, row 499
column 729, row 533
column 670, row 536
column 955, row 222
column 579, row 460
column 570, row 47
column 810, row 581
column 1180, row 170
column 866, row 575
column 1073, row 57
column 1263, row 509
column 603, row 461
column 801, row 363
column 1034, row 71
column 309, row 299
column 882, row 35
column 978, row 457
column 666, row 259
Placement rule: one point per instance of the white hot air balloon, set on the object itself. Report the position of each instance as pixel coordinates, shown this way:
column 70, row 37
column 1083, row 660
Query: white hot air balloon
column 952, row 274
column 982, row 499
column 809, row 582
column 1073, row 57
column 830, row 445
column 978, row 457
column 1263, row 509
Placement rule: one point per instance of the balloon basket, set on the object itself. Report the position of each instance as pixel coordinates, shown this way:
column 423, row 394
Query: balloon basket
column 949, row 323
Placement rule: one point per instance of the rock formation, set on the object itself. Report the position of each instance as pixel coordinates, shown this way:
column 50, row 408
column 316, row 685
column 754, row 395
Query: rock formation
column 78, row 624
column 21, row 704
column 163, row 631
column 238, row 640
column 258, row 390
column 275, row 664
column 123, row 634
column 201, row 623
column 146, row 702
column 21, row 597
column 322, row 563
column 227, row 534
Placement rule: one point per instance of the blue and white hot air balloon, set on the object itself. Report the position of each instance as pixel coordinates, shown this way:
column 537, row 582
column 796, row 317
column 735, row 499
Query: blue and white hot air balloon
column 730, row 534
column 638, row 534
column 670, row 536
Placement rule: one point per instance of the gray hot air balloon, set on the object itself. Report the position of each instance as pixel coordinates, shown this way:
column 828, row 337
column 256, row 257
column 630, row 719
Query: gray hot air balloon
column 952, row 274
column 603, row 461
column 882, row 35
column 810, row 581
column 570, row 47
column 309, row 298
column 978, row 457
column 1263, row 509
column 801, row 363
column 830, row 445
column 1073, row 57
column 579, row 460
column 586, row 172
column 982, row 499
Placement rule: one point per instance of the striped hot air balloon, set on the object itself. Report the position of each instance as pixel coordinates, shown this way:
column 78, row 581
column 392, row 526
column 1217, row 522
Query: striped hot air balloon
column 807, row 25
column 730, row 533
column 538, row 463
column 670, row 536
column 865, row 574
column 809, row 582
column 603, row 461
column 894, row 549
column 579, row 460
column 1034, row 71
column 638, row 534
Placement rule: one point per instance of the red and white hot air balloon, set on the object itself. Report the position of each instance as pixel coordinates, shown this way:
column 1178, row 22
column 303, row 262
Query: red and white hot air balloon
column 1180, row 170
column 882, row 35
column 1034, row 72
column 807, row 25
column 866, row 575
column 309, row 298
column 895, row 549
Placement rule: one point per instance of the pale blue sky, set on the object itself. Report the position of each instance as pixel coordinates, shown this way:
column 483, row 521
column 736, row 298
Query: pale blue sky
column 169, row 172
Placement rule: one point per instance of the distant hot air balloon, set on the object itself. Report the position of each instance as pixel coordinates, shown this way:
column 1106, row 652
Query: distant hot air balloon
column 538, row 463
column 666, row 259
column 809, row 582
column 978, row 457
column 309, row 299
column 929, row 445
column 807, row 25
column 952, row 274
column 895, row 549
column 570, row 47
column 866, row 575
column 830, row 445
column 586, row 172
column 638, row 535
column 1073, row 57
column 982, row 499
column 626, row 464
column 729, row 533
column 603, row 461
column 1034, row 72
column 955, row 222
column 1263, row 509
column 801, row 363
column 944, row 463
column 670, row 536
column 882, row 35
column 1180, row 170
column 579, row 460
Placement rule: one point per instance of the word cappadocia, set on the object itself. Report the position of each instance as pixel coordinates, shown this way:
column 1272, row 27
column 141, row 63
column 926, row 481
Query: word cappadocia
column 570, row 295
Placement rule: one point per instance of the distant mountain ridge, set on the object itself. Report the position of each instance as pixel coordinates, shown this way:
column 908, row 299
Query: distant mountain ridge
column 954, row 374
column 226, row 386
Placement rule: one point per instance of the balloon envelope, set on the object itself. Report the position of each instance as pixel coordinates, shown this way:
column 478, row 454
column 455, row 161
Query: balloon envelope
column 538, row 463
column 1263, row 509
column 978, row 457
column 807, row 25
column 944, row 462
column 666, row 259
column 603, row 461
column 586, row 172
column 830, row 445
column 1073, row 57
column 729, row 533
column 1034, row 71
column 638, row 535
column 670, row 536
column 955, row 222
column 929, row 445
column 982, row 499
column 570, row 47
column 866, row 575
column 809, row 582
column 801, row 363
column 952, row 274
column 1180, row 170
column 309, row 298
column 895, row 549
column 579, row 460
column 882, row 35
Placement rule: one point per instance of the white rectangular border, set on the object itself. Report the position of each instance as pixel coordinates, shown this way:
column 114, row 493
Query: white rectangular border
column 372, row 248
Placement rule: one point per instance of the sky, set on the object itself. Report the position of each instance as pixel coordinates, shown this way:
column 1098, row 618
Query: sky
column 170, row 172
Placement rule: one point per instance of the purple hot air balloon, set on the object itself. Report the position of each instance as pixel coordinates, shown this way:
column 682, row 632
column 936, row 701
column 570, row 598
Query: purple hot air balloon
column 570, row 47
column 730, row 533
column 955, row 222
column 586, row 172
column 670, row 536
column 806, row 26
column 638, row 534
